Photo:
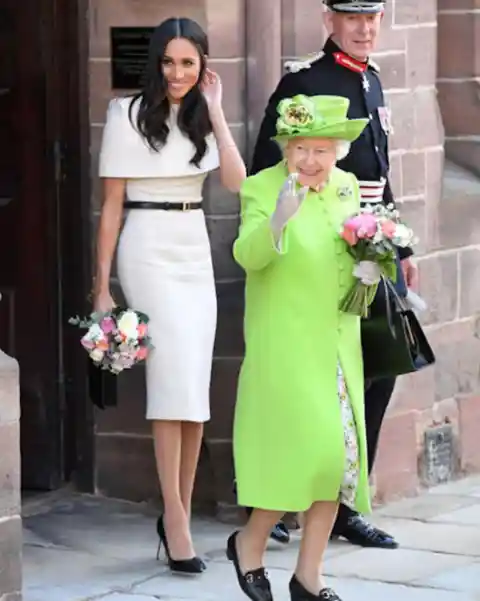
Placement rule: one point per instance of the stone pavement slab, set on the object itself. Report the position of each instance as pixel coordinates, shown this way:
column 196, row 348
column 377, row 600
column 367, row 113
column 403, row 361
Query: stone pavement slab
column 398, row 566
column 359, row 590
column 122, row 597
column 278, row 557
column 425, row 507
column 224, row 587
column 82, row 548
column 452, row 538
column 465, row 579
column 469, row 487
column 67, row 575
column 470, row 516
column 217, row 583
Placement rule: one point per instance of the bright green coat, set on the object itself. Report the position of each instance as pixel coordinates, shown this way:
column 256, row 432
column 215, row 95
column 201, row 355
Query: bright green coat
column 288, row 435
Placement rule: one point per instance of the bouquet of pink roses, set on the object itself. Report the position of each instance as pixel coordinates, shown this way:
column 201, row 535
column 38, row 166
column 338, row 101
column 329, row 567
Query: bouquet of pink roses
column 372, row 235
column 116, row 340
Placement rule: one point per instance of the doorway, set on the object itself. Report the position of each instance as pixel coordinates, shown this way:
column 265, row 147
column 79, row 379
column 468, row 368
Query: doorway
column 44, row 234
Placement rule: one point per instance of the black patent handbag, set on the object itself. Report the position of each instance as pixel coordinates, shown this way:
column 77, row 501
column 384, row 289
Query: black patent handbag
column 393, row 340
column 102, row 386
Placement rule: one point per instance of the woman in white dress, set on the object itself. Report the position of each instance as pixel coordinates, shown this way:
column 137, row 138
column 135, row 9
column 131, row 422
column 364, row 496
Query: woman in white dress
column 157, row 149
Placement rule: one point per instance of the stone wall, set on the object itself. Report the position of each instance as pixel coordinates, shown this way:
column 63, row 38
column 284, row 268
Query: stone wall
column 10, row 512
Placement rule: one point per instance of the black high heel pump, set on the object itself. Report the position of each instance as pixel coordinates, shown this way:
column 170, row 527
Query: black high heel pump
column 195, row 565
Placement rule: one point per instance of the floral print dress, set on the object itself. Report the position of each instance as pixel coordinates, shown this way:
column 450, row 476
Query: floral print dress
column 348, row 489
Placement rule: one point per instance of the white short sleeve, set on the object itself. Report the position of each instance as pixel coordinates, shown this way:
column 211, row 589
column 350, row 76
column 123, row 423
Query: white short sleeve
column 125, row 154
column 114, row 152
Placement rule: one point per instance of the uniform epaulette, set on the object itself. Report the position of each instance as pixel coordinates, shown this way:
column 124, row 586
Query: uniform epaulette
column 375, row 66
column 303, row 62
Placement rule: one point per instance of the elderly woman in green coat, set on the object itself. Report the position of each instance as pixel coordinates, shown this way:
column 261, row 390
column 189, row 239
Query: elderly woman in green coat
column 303, row 372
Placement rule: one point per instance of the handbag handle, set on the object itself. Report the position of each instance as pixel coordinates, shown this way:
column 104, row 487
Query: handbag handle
column 402, row 305
column 390, row 288
column 388, row 306
column 398, row 299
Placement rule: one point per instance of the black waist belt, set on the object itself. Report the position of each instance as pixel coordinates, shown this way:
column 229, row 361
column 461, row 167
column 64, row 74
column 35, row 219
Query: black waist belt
column 162, row 206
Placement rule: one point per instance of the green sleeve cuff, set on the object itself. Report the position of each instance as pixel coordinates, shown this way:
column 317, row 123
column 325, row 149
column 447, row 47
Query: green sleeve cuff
column 258, row 247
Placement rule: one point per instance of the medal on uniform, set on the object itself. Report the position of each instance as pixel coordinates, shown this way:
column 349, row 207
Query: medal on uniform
column 385, row 116
column 365, row 83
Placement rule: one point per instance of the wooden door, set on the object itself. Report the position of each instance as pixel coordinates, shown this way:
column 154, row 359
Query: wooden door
column 31, row 268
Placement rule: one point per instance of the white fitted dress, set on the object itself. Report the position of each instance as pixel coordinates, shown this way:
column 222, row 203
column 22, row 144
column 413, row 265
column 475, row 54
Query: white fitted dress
column 164, row 262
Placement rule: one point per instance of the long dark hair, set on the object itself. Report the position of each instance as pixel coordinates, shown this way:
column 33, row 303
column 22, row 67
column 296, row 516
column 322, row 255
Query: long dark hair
column 154, row 108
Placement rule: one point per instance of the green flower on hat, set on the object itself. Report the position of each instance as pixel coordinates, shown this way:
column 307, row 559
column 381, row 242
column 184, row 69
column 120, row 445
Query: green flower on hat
column 316, row 116
column 297, row 115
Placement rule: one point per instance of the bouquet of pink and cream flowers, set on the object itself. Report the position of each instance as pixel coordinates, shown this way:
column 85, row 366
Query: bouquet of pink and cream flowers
column 372, row 236
column 116, row 340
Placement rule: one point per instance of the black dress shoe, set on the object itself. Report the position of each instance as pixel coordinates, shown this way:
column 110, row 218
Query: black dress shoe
column 280, row 533
column 194, row 565
column 299, row 593
column 255, row 583
column 359, row 532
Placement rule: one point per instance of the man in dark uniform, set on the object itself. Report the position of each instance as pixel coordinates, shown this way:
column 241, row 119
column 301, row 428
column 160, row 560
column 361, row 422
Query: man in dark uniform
column 345, row 69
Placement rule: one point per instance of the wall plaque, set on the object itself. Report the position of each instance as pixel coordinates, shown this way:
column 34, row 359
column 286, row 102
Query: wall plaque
column 439, row 456
column 129, row 53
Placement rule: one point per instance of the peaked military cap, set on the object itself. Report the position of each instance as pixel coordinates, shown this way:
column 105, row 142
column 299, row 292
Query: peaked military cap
column 355, row 6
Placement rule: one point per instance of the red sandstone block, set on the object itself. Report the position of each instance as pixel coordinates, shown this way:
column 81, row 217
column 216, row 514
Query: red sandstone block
column 413, row 392
column 396, row 468
column 403, row 120
column 448, row 334
column 439, row 287
column 428, row 121
column 225, row 28
column 463, row 29
column 469, row 423
column 453, row 94
column 465, row 153
column 441, row 413
column 413, row 12
column 393, row 70
column 469, row 282
column 391, row 39
column 413, row 173
column 421, row 59
column 414, row 213
column 458, row 4
column 434, row 167
column 135, row 13
column 300, row 23
column 396, row 175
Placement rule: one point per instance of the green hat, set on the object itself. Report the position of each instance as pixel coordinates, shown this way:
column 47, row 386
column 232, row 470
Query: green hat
column 317, row 117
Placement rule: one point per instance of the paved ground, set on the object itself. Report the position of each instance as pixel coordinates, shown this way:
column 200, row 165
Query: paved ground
column 84, row 548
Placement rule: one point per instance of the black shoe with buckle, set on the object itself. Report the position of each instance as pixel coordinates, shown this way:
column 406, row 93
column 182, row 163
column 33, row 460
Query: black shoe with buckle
column 299, row 593
column 359, row 532
column 254, row 583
